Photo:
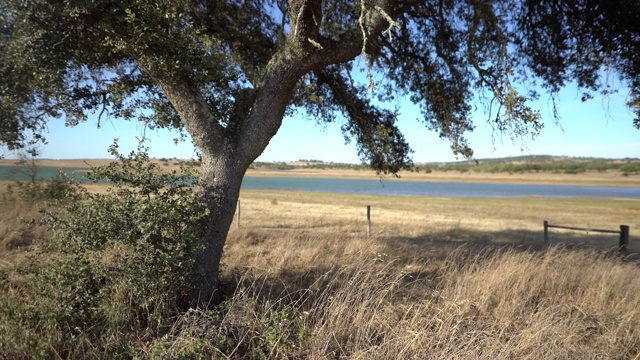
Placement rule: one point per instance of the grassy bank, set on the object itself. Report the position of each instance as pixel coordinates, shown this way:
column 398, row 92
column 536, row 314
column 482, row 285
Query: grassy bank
column 440, row 278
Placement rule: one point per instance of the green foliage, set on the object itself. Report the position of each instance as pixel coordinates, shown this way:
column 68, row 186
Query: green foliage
column 574, row 169
column 116, row 263
column 279, row 331
column 246, row 326
column 631, row 168
column 57, row 188
column 69, row 59
column 284, row 166
column 310, row 165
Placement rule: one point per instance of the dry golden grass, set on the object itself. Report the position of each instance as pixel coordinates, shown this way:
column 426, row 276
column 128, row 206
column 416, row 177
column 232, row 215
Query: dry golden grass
column 516, row 221
column 170, row 164
column 372, row 299
column 440, row 278
column 17, row 230
column 67, row 163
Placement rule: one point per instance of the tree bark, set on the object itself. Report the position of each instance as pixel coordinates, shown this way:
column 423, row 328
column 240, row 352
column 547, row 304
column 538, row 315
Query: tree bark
column 219, row 189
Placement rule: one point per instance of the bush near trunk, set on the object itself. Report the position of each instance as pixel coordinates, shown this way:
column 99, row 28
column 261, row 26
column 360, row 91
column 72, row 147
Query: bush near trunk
column 115, row 263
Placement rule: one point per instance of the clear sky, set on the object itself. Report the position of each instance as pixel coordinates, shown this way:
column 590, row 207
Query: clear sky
column 597, row 128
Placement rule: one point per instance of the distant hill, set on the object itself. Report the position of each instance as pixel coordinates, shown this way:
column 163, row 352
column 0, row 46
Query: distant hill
column 516, row 164
column 538, row 163
column 534, row 159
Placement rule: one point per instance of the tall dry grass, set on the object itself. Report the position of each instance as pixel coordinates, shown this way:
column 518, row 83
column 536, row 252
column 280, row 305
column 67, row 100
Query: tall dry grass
column 302, row 281
column 499, row 303
column 18, row 225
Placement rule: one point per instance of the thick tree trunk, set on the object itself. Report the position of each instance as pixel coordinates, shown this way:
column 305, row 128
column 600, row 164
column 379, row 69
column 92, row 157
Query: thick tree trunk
column 228, row 151
column 220, row 181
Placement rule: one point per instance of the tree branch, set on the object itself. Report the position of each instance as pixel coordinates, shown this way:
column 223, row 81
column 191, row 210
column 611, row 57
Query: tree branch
column 194, row 111
column 379, row 140
column 297, row 58
column 360, row 37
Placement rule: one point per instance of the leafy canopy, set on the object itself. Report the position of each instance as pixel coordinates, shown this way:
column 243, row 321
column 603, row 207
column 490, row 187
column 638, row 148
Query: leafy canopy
column 69, row 59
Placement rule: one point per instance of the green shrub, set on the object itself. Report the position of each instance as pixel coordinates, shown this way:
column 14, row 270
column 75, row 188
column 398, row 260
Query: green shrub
column 630, row 168
column 283, row 166
column 116, row 263
column 57, row 188
column 572, row 168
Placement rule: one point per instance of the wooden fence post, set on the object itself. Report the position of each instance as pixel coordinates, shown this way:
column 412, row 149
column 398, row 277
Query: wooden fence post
column 546, row 232
column 238, row 215
column 368, row 221
column 624, row 238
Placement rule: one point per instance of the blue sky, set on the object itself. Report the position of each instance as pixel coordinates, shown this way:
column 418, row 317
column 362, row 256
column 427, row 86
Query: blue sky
column 597, row 128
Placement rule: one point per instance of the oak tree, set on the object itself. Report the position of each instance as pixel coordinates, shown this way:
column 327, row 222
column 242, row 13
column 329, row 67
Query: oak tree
column 227, row 72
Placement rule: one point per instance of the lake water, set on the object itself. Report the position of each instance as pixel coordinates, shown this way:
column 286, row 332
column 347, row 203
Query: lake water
column 396, row 187
column 44, row 172
column 419, row 188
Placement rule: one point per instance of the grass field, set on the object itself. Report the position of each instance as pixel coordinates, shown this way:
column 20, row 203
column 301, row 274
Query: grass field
column 516, row 221
column 440, row 278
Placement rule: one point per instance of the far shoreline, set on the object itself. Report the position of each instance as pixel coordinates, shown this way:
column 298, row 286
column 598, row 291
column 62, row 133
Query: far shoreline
column 614, row 179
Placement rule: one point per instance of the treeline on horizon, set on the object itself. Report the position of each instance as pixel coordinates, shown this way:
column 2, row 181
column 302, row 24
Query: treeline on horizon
column 511, row 165
column 519, row 164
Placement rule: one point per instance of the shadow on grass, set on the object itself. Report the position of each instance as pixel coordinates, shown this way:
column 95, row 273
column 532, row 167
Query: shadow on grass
column 475, row 241
column 421, row 257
